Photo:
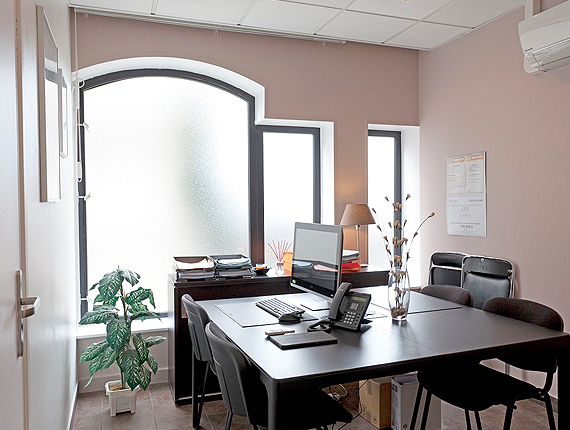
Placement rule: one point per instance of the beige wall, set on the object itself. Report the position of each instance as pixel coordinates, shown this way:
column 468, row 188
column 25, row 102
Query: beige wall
column 351, row 84
column 475, row 96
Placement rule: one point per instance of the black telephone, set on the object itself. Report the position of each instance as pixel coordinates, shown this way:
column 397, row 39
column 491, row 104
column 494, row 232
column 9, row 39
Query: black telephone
column 347, row 309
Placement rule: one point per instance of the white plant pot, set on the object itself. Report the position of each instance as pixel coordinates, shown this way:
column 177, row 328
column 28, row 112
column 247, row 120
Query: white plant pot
column 123, row 400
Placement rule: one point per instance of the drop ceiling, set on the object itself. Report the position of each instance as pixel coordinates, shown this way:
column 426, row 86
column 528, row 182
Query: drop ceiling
column 415, row 24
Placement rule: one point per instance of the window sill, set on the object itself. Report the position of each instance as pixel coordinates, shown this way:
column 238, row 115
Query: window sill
column 98, row 330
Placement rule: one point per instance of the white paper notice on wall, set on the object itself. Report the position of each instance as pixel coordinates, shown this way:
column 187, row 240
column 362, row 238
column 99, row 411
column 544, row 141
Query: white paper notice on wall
column 466, row 207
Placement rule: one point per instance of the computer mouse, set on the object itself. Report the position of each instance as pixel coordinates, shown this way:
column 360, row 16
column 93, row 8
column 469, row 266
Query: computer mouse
column 292, row 317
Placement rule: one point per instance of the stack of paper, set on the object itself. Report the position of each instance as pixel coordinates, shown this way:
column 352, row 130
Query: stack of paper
column 191, row 268
column 350, row 261
column 232, row 266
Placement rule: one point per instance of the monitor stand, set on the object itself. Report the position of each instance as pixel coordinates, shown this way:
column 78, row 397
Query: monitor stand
column 314, row 304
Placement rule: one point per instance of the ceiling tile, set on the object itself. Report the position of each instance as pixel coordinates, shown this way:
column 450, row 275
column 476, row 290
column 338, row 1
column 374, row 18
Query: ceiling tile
column 416, row 9
column 134, row 6
column 215, row 11
column 472, row 13
column 425, row 35
column 364, row 27
column 339, row 4
column 288, row 17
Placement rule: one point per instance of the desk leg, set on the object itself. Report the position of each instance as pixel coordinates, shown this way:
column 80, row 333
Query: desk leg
column 274, row 392
column 564, row 387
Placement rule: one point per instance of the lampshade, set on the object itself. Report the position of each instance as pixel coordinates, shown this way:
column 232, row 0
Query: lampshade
column 357, row 214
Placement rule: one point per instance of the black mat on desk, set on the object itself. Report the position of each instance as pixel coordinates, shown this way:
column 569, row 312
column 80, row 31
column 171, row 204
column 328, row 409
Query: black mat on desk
column 375, row 311
column 249, row 315
column 418, row 303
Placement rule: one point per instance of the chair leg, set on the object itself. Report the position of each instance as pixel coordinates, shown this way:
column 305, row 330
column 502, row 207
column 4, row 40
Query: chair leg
column 478, row 420
column 229, row 417
column 416, row 407
column 195, row 417
column 467, row 419
column 508, row 418
column 549, row 412
column 426, row 411
column 201, row 407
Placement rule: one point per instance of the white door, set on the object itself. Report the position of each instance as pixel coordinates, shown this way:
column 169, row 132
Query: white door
column 11, row 367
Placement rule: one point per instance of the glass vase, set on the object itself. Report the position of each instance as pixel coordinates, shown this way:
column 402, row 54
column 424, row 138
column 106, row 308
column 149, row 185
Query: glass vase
column 399, row 294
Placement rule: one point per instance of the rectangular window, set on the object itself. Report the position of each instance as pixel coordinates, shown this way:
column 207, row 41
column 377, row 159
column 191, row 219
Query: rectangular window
column 384, row 180
column 290, row 180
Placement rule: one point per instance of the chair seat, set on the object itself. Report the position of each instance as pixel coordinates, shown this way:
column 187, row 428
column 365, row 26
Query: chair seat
column 487, row 387
column 451, row 293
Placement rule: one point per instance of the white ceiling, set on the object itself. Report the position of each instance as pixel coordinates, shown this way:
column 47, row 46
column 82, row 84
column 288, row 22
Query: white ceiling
column 417, row 24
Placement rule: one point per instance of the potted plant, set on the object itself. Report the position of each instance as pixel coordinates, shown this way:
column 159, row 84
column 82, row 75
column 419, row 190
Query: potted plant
column 117, row 306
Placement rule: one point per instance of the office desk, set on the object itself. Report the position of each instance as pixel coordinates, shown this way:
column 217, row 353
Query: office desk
column 180, row 355
column 384, row 348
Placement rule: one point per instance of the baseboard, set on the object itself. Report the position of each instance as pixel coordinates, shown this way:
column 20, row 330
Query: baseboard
column 72, row 412
column 99, row 381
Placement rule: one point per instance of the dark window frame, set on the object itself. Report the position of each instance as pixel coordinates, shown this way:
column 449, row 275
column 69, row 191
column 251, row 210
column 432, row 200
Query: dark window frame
column 255, row 162
column 397, row 136
column 316, row 133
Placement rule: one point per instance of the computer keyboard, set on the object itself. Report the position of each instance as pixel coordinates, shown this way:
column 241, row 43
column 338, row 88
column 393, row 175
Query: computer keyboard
column 277, row 308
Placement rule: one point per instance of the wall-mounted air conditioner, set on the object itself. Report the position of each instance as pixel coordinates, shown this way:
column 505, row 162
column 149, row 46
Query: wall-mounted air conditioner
column 545, row 39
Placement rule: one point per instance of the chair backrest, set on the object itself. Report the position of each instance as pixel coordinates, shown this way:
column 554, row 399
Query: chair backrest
column 486, row 277
column 197, row 321
column 445, row 268
column 534, row 313
column 452, row 293
column 242, row 391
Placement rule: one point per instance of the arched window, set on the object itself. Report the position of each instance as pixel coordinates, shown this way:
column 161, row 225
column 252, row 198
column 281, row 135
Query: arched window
column 173, row 165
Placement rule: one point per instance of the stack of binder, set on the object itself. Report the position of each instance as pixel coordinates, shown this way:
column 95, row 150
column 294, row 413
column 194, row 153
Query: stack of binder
column 350, row 261
column 193, row 268
column 232, row 266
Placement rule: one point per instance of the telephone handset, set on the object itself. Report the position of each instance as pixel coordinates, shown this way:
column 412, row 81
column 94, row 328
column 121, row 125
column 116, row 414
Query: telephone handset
column 347, row 309
column 342, row 291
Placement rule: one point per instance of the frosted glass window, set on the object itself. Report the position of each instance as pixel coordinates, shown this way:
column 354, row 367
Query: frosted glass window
column 166, row 166
column 288, row 186
column 380, row 184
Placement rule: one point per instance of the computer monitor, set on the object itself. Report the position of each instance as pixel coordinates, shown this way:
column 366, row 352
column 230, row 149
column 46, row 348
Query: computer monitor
column 317, row 262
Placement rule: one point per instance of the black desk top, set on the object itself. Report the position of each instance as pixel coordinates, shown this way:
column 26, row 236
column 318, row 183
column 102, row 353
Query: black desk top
column 383, row 347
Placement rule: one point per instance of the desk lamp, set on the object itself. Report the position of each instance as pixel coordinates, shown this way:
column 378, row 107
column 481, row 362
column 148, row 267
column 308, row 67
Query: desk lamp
column 357, row 214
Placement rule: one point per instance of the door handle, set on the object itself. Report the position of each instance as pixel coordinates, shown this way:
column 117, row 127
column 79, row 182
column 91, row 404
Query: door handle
column 27, row 301
column 34, row 302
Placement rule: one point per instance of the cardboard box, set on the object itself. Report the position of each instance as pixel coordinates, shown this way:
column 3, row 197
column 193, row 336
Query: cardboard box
column 404, row 390
column 375, row 401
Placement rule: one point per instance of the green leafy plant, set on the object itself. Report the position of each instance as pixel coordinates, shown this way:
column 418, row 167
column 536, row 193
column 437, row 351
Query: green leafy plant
column 130, row 352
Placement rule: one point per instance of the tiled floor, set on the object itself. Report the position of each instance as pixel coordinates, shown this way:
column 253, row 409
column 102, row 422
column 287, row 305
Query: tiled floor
column 156, row 411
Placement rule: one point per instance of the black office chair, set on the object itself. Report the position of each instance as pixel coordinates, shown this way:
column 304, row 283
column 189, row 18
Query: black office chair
column 445, row 268
column 197, row 321
column 475, row 387
column 487, row 277
column 245, row 395
column 451, row 293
